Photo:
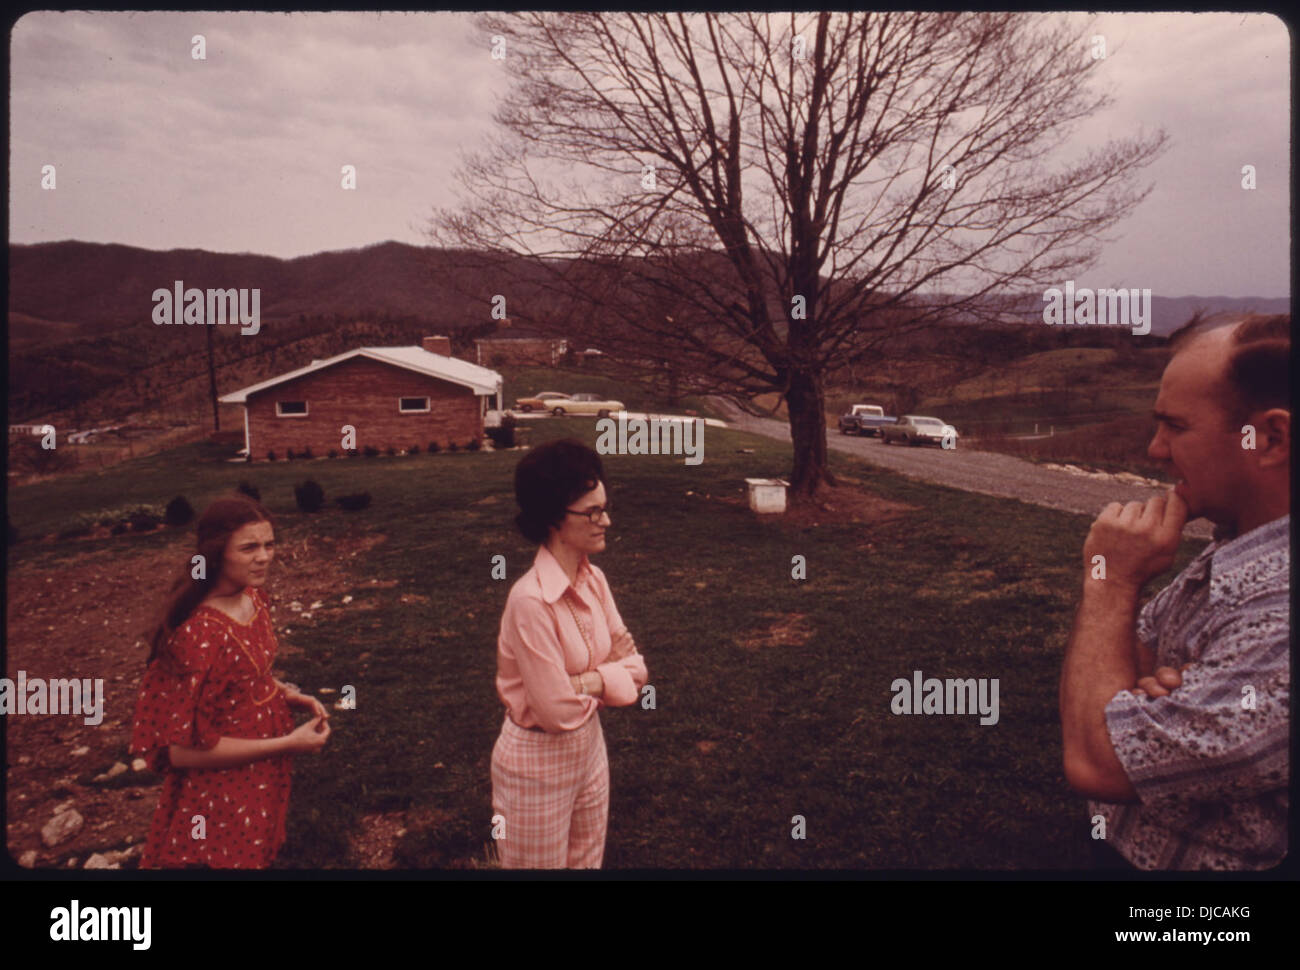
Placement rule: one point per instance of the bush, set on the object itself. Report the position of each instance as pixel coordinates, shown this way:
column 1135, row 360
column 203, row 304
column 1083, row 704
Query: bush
column 75, row 531
column 289, row 455
column 355, row 502
column 179, row 511
column 503, row 436
column 474, row 444
column 353, row 453
column 452, row 446
column 118, row 529
column 332, row 453
column 250, row 490
column 270, row 456
column 392, row 452
column 371, row 451
column 434, row 447
column 306, row 453
column 413, row 450
column 309, row 495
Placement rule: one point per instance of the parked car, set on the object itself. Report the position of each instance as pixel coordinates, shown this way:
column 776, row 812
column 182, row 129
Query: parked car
column 586, row 404
column 849, row 420
column 540, row 402
column 917, row 429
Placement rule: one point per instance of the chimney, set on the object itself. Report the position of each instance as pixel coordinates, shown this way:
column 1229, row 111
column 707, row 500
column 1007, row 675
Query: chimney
column 438, row 345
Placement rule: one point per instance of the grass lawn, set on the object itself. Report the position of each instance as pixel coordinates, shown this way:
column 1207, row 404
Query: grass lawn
column 773, row 694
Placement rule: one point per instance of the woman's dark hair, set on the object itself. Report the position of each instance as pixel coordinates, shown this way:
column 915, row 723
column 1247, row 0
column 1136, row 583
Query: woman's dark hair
column 550, row 478
column 217, row 524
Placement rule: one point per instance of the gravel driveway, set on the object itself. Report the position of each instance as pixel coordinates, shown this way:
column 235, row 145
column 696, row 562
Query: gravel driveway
column 986, row 472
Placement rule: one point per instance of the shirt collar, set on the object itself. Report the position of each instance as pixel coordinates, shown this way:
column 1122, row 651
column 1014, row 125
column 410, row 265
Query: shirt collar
column 554, row 581
column 1229, row 558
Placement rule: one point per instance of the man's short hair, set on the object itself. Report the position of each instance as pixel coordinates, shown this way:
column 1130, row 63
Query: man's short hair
column 1257, row 376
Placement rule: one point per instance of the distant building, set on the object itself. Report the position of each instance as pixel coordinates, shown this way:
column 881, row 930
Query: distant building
column 395, row 397
column 520, row 349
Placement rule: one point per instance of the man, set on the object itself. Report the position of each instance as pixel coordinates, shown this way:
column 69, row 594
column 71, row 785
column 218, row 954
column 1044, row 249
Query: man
column 1175, row 719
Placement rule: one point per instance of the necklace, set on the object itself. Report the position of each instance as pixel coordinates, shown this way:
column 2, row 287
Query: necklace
column 582, row 630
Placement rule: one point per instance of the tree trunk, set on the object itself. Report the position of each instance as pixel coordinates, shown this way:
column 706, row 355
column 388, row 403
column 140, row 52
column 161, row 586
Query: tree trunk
column 806, row 403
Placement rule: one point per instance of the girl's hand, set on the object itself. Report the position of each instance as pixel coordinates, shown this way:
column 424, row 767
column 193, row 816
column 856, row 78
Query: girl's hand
column 296, row 698
column 310, row 736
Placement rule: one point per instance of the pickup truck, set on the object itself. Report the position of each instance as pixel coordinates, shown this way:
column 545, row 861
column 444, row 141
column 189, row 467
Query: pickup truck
column 865, row 419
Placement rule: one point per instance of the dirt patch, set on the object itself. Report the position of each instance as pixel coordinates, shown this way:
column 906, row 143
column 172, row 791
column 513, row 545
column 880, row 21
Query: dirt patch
column 782, row 630
column 373, row 845
column 845, row 503
column 89, row 617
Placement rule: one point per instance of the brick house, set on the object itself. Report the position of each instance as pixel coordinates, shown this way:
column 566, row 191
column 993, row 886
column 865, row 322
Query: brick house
column 393, row 396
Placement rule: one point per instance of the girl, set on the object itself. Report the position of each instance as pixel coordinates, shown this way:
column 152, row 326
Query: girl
column 210, row 716
column 563, row 653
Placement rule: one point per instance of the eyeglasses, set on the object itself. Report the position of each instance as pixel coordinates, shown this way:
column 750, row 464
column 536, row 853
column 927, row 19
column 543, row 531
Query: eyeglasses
column 592, row 514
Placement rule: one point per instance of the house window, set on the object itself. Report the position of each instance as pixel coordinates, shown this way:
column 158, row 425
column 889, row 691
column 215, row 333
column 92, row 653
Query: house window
column 412, row 404
column 290, row 409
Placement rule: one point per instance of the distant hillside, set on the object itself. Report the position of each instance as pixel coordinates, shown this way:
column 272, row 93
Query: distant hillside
column 83, row 347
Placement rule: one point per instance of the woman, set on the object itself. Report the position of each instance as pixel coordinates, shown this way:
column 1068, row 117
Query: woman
column 210, row 716
column 563, row 653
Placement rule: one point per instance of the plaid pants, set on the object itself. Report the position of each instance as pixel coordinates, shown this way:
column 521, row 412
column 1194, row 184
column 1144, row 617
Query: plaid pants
column 553, row 792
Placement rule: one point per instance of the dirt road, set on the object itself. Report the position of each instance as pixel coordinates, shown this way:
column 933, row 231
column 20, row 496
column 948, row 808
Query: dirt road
column 986, row 472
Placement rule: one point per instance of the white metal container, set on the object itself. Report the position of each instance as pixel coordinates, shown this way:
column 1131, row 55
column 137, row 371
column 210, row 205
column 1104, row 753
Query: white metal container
column 767, row 495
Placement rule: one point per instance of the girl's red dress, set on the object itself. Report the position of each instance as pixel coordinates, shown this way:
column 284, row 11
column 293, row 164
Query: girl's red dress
column 214, row 680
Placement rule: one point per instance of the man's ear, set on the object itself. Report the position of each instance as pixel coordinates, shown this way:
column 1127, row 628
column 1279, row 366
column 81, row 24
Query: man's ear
column 1273, row 438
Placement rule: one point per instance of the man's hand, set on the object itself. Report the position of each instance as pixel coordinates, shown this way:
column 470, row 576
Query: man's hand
column 1138, row 540
column 1166, row 679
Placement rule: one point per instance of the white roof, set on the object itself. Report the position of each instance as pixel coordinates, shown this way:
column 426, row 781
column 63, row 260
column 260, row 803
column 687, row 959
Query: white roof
column 478, row 379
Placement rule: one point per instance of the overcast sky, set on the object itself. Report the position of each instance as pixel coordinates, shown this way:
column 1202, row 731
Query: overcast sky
column 241, row 152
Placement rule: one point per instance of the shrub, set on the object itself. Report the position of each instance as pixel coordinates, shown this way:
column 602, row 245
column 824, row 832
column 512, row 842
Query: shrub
column 118, row 529
column 474, row 444
column 270, row 456
column 503, row 436
column 371, row 451
column 179, row 511
column 289, row 455
column 355, row 502
column 413, row 450
column 452, row 446
column 306, row 453
column 353, row 453
column 309, row 495
column 250, row 490
column 75, row 531
column 434, row 447
column 392, row 452
column 332, row 453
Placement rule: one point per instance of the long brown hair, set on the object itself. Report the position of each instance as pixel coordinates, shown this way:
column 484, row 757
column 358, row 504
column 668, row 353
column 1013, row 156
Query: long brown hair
column 218, row 523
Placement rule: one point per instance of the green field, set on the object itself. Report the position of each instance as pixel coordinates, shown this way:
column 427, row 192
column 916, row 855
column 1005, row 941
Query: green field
column 751, row 727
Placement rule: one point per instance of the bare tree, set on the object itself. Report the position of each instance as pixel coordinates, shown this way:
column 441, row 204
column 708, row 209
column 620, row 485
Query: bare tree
column 755, row 199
